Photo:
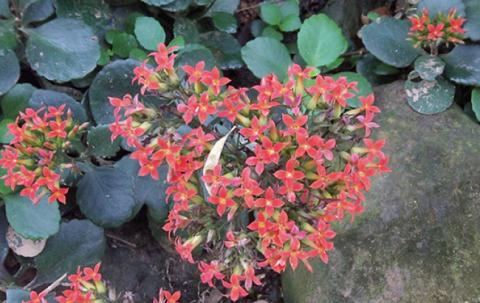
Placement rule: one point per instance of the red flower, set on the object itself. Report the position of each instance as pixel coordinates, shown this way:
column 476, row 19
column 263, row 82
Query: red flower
column 261, row 224
column 184, row 250
column 250, row 278
column 367, row 104
column 255, row 130
column 236, row 290
column 213, row 80
column 248, row 188
column 36, row 298
column 269, row 202
column 223, row 200
column 166, row 297
column 295, row 126
column 196, row 73
column 166, row 151
column 289, row 177
column 209, row 271
column 435, row 32
column 93, row 273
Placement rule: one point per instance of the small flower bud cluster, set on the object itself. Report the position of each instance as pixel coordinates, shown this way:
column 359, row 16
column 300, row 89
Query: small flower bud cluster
column 297, row 158
column 430, row 33
column 37, row 154
column 85, row 286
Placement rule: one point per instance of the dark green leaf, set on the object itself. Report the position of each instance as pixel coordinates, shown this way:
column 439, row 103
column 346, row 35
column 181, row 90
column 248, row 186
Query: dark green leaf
column 114, row 80
column 386, row 39
column 225, row 22
column 227, row 6
column 158, row 2
column 290, row 23
column 270, row 13
column 123, row 43
column 320, row 40
column 224, row 47
column 429, row 67
column 138, row 54
column 368, row 66
column 105, row 196
column 177, row 6
column 105, row 55
column 8, row 37
column 472, row 26
column 10, row 70
column 266, row 55
column 430, row 97
column 441, row 6
column 42, row 98
column 99, row 143
column 78, row 243
column 95, row 13
column 364, row 87
column 186, row 28
column 37, row 11
column 5, row 277
column 193, row 53
column 5, row 136
column 256, row 27
column 33, row 221
column 149, row 32
column 4, row 9
column 147, row 190
column 289, row 8
column 476, row 102
column 53, row 49
column 271, row 32
column 463, row 64
column 17, row 295
column 16, row 99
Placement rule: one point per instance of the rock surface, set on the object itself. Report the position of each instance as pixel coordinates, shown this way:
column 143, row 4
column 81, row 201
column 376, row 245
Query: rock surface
column 419, row 238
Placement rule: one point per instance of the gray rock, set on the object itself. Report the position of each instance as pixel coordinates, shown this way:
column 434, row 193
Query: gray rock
column 419, row 238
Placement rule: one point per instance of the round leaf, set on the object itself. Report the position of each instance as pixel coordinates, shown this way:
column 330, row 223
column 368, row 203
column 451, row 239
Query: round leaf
column 270, row 13
column 16, row 295
column 386, row 39
column 123, row 44
column 463, row 64
column 186, row 28
column 10, row 70
column 290, row 23
column 364, row 87
column 266, row 55
column 105, row 196
column 227, row 6
column 78, row 243
column 43, row 98
column 430, row 97
column 224, row 47
column 441, row 6
column 472, row 26
column 62, row 49
column 476, row 102
column 429, row 67
column 5, row 277
column 33, row 221
column 5, row 136
column 4, row 9
column 225, row 22
column 149, row 32
column 271, row 32
column 16, row 100
column 37, row 11
column 95, row 13
column 8, row 37
column 158, row 2
column 22, row 246
column 193, row 53
column 99, row 143
column 114, row 80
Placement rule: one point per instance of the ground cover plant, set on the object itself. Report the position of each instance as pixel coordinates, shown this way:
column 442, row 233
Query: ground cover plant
column 239, row 135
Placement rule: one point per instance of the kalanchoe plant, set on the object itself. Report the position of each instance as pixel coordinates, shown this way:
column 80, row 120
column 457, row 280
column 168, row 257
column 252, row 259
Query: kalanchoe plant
column 439, row 39
column 40, row 151
column 260, row 175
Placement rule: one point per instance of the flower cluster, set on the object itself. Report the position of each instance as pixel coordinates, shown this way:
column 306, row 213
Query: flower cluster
column 38, row 152
column 432, row 32
column 86, row 286
column 262, row 174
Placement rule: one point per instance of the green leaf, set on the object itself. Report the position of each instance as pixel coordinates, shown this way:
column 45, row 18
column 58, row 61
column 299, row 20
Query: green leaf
column 266, row 55
column 5, row 136
column 37, row 11
column 463, row 64
column 224, row 47
column 114, row 80
column 320, row 40
column 105, row 55
column 130, row 22
column 10, row 70
column 43, row 98
column 177, row 6
column 430, row 97
column 289, row 8
column 270, row 13
column 149, row 32
column 290, row 23
column 271, row 32
column 32, row 221
column 386, row 39
column 78, row 243
column 105, row 196
column 227, row 6
column 5, row 277
column 158, row 2
column 147, row 190
column 429, row 67
column 123, row 43
column 138, row 54
column 17, row 295
column 476, row 102
column 441, row 6
column 16, row 100
column 99, row 143
column 472, row 26
column 8, row 37
column 95, row 13
column 4, row 9
column 364, row 87
column 369, row 66
column 225, row 22
column 383, row 69
column 53, row 49
column 187, row 29
column 193, row 53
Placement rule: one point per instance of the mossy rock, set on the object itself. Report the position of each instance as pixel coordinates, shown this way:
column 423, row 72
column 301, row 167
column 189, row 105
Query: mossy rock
column 419, row 238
